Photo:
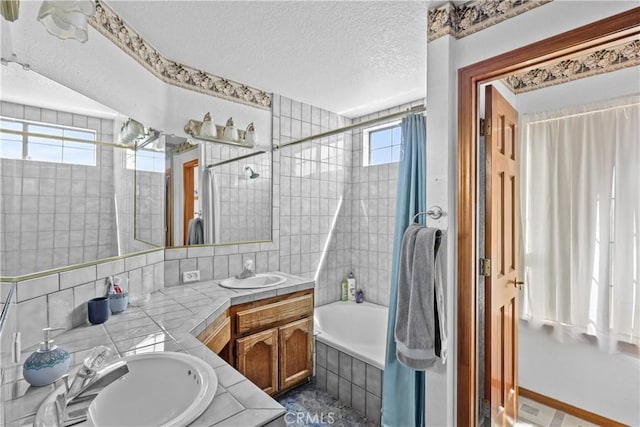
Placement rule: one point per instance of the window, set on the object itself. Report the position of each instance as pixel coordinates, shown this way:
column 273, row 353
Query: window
column 53, row 143
column 146, row 160
column 381, row 144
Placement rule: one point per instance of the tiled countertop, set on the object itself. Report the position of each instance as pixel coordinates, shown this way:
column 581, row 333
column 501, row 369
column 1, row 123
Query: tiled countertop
column 170, row 321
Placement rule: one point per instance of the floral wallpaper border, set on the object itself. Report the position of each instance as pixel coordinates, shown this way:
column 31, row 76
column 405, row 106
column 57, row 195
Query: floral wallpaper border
column 612, row 58
column 112, row 26
column 473, row 16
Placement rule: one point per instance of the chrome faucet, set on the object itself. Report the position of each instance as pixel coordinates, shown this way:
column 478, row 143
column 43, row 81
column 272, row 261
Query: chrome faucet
column 89, row 381
column 247, row 270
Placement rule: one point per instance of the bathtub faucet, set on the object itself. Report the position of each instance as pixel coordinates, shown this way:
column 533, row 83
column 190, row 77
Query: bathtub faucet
column 247, row 271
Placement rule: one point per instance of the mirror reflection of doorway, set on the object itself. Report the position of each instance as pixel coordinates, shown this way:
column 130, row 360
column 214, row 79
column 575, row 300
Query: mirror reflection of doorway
column 190, row 191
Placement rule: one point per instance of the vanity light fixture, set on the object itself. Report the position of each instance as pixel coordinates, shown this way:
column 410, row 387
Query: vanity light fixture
column 67, row 19
column 133, row 132
column 14, row 59
column 10, row 9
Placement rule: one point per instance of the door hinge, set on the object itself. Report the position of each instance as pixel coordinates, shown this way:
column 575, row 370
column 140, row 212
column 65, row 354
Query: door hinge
column 485, row 127
column 485, row 267
column 485, row 408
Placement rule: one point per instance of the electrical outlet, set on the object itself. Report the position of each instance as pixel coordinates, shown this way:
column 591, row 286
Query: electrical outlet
column 190, row 276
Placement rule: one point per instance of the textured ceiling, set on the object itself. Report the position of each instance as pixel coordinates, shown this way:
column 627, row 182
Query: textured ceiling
column 31, row 88
column 349, row 57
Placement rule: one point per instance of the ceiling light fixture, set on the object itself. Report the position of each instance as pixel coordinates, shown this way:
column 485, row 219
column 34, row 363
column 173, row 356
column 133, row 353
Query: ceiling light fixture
column 67, row 19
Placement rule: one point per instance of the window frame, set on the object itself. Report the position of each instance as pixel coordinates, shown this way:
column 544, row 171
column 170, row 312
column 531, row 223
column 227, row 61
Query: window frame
column 366, row 141
column 26, row 134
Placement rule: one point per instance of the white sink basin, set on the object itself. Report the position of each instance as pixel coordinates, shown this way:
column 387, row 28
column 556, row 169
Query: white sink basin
column 260, row 280
column 161, row 389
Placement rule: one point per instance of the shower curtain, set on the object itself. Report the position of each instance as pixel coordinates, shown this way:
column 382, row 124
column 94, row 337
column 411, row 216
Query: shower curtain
column 210, row 206
column 403, row 395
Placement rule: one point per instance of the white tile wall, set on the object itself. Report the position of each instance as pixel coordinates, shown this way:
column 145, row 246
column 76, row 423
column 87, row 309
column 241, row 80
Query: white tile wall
column 246, row 204
column 54, row 215
column 59, row 299
column 314, row 177
column 150, row 208
column 372, row 197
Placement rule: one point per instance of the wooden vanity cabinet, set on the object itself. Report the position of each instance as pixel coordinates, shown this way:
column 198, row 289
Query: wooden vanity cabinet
column 258, row 359
column 274, row 340
column 218, row 334
column 296, row 353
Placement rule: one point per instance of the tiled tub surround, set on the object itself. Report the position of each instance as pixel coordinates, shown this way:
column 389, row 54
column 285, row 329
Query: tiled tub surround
column 350, row 353
column 372, row 196
column 350, row 380
column 313, row 181
column 336, row 216
column 170, row 322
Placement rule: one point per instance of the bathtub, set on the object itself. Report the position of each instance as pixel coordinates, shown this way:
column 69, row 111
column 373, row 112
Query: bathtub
column 350, row 353
column 360, row 330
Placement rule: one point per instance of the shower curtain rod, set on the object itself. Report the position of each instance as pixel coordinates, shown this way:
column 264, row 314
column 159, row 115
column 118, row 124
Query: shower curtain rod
column 65, row 138
column 412, row 110
column 235, row 159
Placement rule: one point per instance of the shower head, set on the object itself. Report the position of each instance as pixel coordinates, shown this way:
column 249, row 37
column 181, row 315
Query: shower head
column 253, row 174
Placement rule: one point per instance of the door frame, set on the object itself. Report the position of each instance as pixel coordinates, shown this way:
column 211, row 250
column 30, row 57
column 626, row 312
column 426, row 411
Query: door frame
column 469, row 78
column 188, row 196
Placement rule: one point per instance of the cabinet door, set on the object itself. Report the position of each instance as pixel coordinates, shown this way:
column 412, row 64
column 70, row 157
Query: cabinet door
column 296, row 362
column 258, row 359
column 220, row 337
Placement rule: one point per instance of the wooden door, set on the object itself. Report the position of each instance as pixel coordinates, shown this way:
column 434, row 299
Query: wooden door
column 296, row 352
column 258, row 359
column 189, row 195
column 501, row 246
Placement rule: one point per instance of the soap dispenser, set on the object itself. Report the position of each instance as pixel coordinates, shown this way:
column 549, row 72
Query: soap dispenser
column 47, row 364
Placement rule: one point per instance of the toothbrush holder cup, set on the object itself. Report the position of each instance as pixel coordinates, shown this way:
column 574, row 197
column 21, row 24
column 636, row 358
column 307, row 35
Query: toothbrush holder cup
column 98, row 310
column 118, row 302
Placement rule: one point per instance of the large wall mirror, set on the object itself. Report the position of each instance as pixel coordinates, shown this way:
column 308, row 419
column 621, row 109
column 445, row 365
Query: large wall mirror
column 71, row 193
column 220, row 193
column 67, row 184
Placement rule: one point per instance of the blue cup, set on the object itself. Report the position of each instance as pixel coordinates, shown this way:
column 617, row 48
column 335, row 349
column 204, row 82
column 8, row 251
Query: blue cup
column 118, row 302
column 98, row 310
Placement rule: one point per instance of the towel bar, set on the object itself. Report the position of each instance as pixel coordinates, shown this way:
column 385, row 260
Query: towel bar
column 434, row 212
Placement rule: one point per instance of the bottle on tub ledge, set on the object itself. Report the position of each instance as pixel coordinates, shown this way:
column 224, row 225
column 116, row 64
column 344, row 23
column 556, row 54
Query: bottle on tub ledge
column 344, row 290
column 351, row 283
column 359, row 296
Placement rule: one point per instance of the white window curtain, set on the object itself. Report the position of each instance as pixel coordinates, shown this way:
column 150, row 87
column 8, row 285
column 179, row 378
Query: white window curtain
column 580, row 210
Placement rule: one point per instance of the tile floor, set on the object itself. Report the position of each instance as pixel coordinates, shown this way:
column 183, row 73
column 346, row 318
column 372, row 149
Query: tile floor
column 310, row 407
column 531, row 413
column 318, row 409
